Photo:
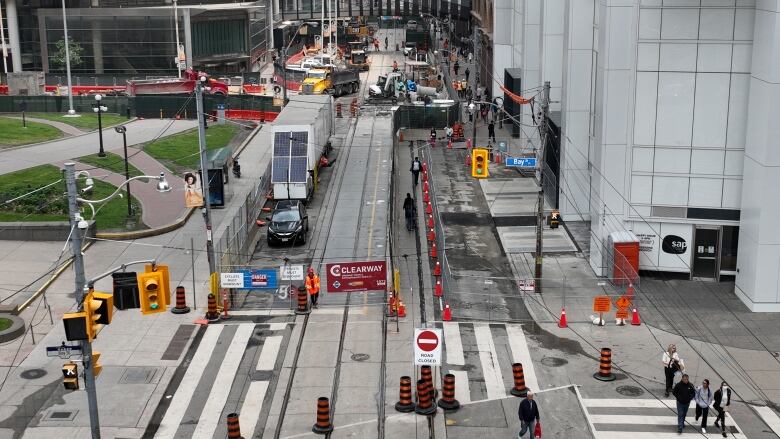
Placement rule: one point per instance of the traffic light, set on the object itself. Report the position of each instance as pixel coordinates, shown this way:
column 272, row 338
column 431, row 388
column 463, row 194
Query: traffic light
column 96, row 366
column 165, row 288
column 75, row 326
column 106, row 308
column 479, row 165
column 70, row 376
column 91, row 311
column 150, row 292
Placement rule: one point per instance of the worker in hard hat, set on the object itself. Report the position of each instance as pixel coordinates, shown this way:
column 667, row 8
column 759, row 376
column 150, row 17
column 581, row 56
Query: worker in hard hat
column 313, row 287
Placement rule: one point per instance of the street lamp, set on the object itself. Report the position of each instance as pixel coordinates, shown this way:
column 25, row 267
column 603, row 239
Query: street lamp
column 162, row 187
column 123, row 131
column 99, row 109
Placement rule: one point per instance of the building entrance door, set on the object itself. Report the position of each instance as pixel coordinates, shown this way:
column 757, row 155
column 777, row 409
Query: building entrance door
column 705, row 253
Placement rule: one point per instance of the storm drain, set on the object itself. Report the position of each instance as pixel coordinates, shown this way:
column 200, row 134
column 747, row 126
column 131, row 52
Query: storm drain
column 138, row 375
column 360, row 357
column 632, row 391
column 60, row 415
column 32, row 374
column 554, row 361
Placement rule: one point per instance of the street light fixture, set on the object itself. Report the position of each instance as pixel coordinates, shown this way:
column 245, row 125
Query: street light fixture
column 99, row 109
column 121, row 129
column 162, row 187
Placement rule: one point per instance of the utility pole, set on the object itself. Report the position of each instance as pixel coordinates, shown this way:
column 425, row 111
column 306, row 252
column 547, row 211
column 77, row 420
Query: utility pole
column 71, row 111
column 204, row 173
column 81, row 280
column 544, row 131
column 178, row 46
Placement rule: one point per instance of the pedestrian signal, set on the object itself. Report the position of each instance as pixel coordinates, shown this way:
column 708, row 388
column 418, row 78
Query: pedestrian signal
column 96, row 366
column 75, row 326
column 150, row 292
column 70, row 376
column 479, row 164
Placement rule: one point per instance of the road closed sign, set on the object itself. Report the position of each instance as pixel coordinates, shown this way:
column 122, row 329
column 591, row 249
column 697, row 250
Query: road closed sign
column 427, row 347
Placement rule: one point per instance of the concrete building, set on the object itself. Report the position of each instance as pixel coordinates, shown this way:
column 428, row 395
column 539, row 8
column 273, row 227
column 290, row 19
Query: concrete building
column 666, row 127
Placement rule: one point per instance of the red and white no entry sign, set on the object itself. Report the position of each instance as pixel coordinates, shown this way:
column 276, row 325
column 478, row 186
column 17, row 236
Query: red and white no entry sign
column 427, row 347
column 427, row 341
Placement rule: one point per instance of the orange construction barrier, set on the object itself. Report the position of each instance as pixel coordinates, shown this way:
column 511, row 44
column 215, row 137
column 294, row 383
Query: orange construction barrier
column 323, row 425
column 605, row 366
column 519, row 388
column 405, row 403
column 181, row 304
column 448, row 402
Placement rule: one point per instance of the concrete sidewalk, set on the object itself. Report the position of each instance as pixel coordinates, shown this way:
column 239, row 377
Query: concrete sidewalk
column 69, row 130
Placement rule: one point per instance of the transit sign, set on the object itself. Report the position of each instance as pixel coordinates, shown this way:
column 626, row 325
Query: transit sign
column 521, row 162
column 345, row 277
column 427, row 347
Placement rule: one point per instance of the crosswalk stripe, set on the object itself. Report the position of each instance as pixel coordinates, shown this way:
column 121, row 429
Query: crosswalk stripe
column 688, row 432
column 210, row 416
column 252, row 406
column 770, row 417
column 462, row 391
column 494, row 381
column 626, row 402
column 670, row 419
column 277, row 326
column 268, row 354
column 453, row 344
column 521, row 354
column 181, row 400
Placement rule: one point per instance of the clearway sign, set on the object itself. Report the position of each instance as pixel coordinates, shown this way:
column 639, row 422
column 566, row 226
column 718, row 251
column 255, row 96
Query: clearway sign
column 356, row 276
column 427, row 347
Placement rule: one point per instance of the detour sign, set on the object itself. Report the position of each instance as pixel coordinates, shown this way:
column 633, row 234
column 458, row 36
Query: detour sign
column 602, row 304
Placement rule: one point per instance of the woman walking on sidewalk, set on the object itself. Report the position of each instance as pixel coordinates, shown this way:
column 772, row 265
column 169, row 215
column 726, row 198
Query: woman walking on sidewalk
column 672, row 364
column 722, row 404
column 703, row 402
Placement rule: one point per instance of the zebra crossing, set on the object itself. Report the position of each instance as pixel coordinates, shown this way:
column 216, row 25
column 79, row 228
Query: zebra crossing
column 231, row 371
column 648, row 418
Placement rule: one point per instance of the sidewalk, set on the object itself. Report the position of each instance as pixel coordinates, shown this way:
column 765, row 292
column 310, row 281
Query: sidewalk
column 69, row 130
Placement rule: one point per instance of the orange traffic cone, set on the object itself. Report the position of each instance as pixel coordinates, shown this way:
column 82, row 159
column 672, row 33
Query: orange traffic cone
column 428, row 208
column 449, row 144
column 434, row 251
column 468, row 159
column 425, row 186
column 424, row 176
column 446, row 314
column 635, row 317
column 425, row 167
column 432, row 235
column 430, row 221
column 437, row 269
column 562, row 323
column 630, row 290
column 426, row 197
column 437, row 290
column 401, row 309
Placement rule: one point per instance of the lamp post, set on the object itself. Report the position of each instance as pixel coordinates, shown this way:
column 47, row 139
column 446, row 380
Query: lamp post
column 123, row 130
column 71, row 111
column 99, row 109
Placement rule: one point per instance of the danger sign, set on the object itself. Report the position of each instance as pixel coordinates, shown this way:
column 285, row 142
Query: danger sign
column 427, row 347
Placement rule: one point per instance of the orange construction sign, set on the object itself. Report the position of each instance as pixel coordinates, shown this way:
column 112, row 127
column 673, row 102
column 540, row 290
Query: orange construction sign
column 623, row 302
column 622, row 313
column 602, row 304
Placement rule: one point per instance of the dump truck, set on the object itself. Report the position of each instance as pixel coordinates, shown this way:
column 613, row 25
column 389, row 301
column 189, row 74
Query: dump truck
column 335, row 82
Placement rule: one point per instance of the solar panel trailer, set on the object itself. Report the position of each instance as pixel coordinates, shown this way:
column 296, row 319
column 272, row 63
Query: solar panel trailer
column 300, row 134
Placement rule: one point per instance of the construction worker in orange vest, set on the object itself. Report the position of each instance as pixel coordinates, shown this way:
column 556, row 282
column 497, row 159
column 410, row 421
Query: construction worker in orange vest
column 313, row 287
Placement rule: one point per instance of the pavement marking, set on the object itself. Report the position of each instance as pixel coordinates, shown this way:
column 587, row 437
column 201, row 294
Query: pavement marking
column 183, row 396
column 521, row 354
column 277, row 326
column 688, row 432
column 220, row 389
column 268, row 354
column 627, row 402
column 262, row 312
column 252, row 407
column 770, row 418
column 462, row 391
column 494, row 381
column 453, row 345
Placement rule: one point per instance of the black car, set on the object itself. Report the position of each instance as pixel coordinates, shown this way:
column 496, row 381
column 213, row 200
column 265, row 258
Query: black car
column 288, row 224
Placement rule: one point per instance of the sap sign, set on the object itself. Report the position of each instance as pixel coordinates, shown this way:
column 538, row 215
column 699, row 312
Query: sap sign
column 674, row 244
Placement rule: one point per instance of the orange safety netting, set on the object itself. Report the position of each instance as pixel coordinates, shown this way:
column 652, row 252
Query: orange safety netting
column 515, row 97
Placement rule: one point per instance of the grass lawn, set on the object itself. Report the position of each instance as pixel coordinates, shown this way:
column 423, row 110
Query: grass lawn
column 87, row 121
column 180, row 152
column 112, row 162
column 5, row 323
column 12, row 133
column 51, row 204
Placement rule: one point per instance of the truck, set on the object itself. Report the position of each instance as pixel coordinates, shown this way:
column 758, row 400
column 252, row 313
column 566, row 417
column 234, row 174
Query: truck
column 420, row 37
column 301, row 135
column 331, row 81
column 174, row 85
column 389, row 88
column 357, row 58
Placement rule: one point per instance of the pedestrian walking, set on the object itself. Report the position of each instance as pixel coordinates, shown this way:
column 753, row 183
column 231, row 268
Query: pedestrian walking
column 492, row 130
column 385, row 43
column 484, row 111
column 672, row 364
column 409, row 209
column 684, row 394
column 471, row 57
column 376, row 45
column 313, row 287
column 469, row 93
column 467, row 72
column 415, row 169
column 528, row 412
column 456, row 67
column 704, row 399
column 722, row 404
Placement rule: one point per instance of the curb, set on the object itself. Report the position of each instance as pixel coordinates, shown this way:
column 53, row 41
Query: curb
column 16, row 329
column 147, row 232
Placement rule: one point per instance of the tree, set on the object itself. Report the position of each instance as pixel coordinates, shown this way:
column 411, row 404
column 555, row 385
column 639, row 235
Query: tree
column 75, row 49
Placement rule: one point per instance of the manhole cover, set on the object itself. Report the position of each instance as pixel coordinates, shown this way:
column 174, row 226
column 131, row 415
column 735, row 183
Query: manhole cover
column 32, row 374
column 138, row 375
column 60, row 415
column 554, row 361
column 360, row 357
column 630, row 391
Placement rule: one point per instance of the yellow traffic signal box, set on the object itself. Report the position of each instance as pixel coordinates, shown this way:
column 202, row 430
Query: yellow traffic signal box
column 75, row 326
column 96, row 366
column 91, row 307
column 70, row 376
column 479, row 164
column 166, row 289
column 150, row 291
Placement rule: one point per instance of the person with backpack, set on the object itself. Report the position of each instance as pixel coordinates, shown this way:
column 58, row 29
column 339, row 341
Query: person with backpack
column 684, row 392
column 704, row 399
column 415, row 169
column 409, row 210
column 456, row 67
column 528, row 412
column 672, row 364
column 722, row 398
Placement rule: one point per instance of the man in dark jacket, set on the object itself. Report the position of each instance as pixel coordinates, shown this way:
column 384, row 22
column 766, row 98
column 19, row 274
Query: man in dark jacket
column 528, row 412
column 684, row 393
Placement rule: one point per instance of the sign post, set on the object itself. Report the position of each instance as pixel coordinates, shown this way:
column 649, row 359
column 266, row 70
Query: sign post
column 427, row 347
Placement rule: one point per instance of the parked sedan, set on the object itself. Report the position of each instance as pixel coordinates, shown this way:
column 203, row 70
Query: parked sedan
column 288, row 224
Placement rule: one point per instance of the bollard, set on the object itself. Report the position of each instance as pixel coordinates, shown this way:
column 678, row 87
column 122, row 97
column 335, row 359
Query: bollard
column 425, row 186
column 424, row 176
column 424, row 404
column 181, row 304
column 437, row 290
column 323, row 425
column 425, row 166
column 426, row 373
column 519, row 388
column 605, row 366
column 405, row 403
column 448, row 402
column 437, row 269
column 212, row 314
column 303, row 301
column 233, row 427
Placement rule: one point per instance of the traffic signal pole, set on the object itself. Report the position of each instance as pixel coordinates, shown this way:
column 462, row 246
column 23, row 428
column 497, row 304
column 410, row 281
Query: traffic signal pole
column 204, row 176
column 78, row 266
column 545, row 129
